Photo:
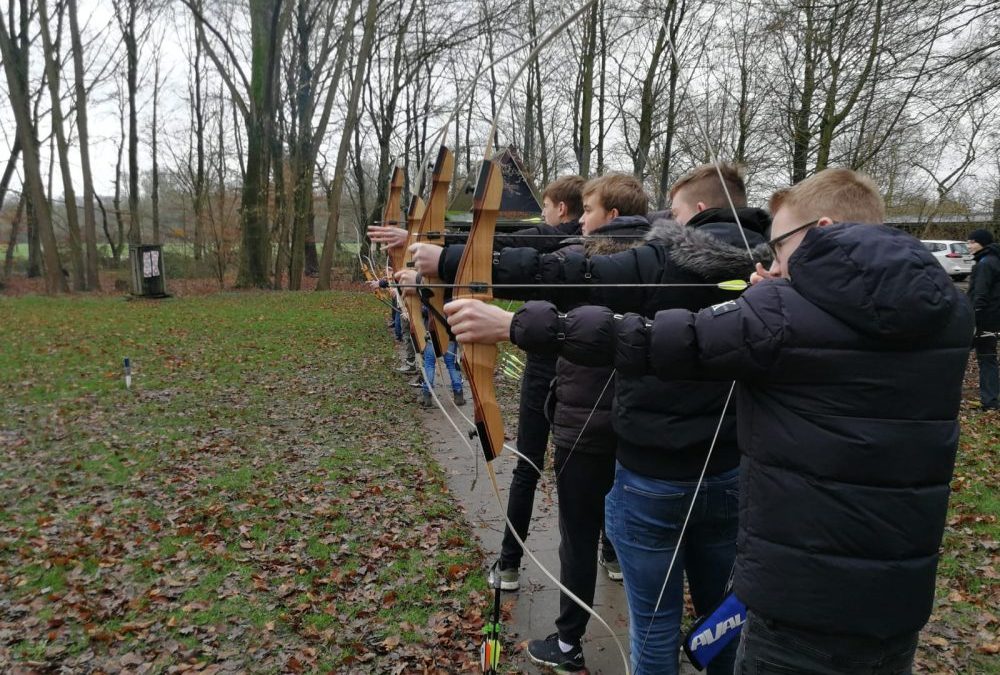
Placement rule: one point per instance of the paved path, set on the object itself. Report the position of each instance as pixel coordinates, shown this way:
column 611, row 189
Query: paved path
column 535, row 606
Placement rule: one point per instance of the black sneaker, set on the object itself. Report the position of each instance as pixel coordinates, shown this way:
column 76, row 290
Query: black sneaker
column 548, row 653
column 425, row 400
column 459, row 398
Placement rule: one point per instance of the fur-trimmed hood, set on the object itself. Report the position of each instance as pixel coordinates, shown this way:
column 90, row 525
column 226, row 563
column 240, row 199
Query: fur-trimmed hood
column 712, row 251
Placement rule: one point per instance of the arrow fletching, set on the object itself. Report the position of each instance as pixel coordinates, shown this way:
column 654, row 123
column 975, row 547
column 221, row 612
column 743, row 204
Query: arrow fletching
column 736, row 285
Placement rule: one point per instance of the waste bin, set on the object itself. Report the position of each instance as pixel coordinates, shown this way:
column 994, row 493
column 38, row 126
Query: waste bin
column 148, row 280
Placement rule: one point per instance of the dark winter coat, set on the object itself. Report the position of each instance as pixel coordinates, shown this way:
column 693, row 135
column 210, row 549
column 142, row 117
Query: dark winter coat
column 580, row 404
column 850, row 377
column 664, row 428
column 984, row 288
column 541, row 237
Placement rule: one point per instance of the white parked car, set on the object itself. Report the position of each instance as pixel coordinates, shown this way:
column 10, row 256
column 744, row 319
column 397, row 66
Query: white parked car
column 954, row 257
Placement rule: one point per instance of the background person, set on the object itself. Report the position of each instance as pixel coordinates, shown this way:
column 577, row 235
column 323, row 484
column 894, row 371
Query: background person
column 984, row 293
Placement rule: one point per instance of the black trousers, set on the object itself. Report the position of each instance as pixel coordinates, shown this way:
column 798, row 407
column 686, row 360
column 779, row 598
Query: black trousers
column 532, row 440
column 767, row 647
column 582, row 480
column 989, row 374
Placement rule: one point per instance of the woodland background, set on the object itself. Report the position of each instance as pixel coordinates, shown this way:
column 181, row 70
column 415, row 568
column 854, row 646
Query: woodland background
column 254, row 139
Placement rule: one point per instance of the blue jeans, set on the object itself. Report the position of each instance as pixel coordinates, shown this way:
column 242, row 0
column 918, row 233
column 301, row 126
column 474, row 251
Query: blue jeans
column 397, row 321
column 430, row 359
column 643, row 517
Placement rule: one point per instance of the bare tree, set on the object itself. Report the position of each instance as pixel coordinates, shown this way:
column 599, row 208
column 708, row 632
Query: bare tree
column 337, row 187
column 255, row 99
column 51, row 55
column 15, row 61
column 83, row 132
column 310, row 79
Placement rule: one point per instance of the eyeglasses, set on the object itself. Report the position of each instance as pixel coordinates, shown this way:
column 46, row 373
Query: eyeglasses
column 774, row 243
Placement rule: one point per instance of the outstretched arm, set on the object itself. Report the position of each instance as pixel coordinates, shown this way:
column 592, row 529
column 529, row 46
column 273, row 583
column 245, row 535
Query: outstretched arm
column 732, row 340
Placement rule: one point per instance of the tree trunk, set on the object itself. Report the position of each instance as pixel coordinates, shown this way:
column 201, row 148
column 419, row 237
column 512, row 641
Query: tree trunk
column 666, row 161
column 82, row 126
column 603, row 52
column 16, row 70
column 265, row 40
column 107, row 230
column 51, row 56
column 116, row 201
column 646, row 103
column 132, row 79
column 15, row 226
column 800, row 129
column 336, row 193
column 155, row 187
column 8, row 171
column 583, row 148
column 200, row 179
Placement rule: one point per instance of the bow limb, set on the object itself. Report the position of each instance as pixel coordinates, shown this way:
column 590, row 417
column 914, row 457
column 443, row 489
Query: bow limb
column 433, row 219
column 412, row 302
column 392, row 214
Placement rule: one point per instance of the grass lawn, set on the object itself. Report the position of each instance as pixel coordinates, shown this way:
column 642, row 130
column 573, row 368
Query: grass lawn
column 260, row 500
column 963, row 635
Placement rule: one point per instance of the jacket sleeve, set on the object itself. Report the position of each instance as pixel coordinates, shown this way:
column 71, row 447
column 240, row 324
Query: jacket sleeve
column 542, row 237
column 739, row 339
column 570, row 278
column 735, row 340
column 520, row 267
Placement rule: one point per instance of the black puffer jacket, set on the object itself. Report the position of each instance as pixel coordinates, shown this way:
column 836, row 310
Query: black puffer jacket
column 850, row 380
column 541, row 237
column 581, row 400
column 984, row 288
column 663, row 428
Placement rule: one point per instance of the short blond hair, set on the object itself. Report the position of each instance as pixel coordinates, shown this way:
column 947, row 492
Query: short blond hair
column 568, row 190
column 621, row 191
column 841, row 194
column 702, row 184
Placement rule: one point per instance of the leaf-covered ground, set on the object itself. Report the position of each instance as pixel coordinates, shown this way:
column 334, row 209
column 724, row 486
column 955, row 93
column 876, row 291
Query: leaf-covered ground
column 963, row 635
column 260, row 500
